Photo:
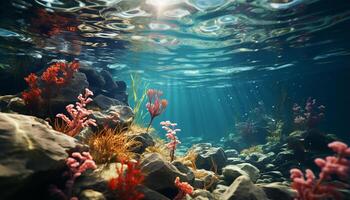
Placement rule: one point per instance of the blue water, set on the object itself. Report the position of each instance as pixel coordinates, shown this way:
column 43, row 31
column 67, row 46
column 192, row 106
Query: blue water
column 215, row 60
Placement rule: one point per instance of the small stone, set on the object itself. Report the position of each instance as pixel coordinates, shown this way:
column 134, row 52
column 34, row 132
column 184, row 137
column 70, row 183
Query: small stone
column 91, row 195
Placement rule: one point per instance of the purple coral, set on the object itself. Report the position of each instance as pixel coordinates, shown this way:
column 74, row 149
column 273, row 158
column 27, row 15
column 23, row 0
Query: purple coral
column 171, row 135
column 310, row 116
column 318, row 189
column 77, row 164
column 79, row 114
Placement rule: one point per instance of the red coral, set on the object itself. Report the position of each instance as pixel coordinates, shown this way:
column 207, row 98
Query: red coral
column 155, row 105
column 318, row 189
column 127, row 182
column 32, row 97
column 54, row 77
column 184, row 189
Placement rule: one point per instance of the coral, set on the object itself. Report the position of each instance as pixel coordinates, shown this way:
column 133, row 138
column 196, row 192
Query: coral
column 77, row 164
column 321, row 188
column 79, row 114
column 55, row 76
column 109, row 146
column 184, row 189
column 247, row 130
column 125, row 185
column 155, row 105
column 32, row 97
column 310, row 116
column 171, row 135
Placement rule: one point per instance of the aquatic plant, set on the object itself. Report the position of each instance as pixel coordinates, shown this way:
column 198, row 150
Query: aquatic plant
column 77, row 164
column 171, row 135
column 110, row 145
column 184, row 189
column 42, row 89
column 155, row 105
column 247, row 130
column 275, row 129
column 321, row 188
column 138, row 99
column 79, row 114
column 310, row 116
column 125, row 185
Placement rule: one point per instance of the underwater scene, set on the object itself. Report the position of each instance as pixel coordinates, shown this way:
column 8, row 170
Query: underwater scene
column 175, row 100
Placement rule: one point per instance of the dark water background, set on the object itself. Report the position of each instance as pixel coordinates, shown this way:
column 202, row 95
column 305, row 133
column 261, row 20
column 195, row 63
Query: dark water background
column 215, row 60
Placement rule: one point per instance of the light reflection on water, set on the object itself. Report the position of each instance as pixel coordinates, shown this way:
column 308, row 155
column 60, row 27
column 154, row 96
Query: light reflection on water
column 192, row 42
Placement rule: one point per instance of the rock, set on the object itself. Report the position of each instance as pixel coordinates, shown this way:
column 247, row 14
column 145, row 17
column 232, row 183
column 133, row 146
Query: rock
column 277, row 191
column 145, row 141
column 160, row 174
column 234, row 161
column 151, row 194
column 68, row 94
column 208, row 157
column 184, row 169
column 202, row 194
column 243, row 189
column 231, row 172
column 251, row 170
column 12, row 103
column 219, row 190
column 94, row 78
column 91, row 195
column 231, row 153
column 114, row 117
column 105, row 102
column 31, row 152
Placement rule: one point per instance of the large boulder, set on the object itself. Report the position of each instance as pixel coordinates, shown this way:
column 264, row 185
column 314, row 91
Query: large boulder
column 231, row 172
column 243, row 189
column 160, row 174
column 30, row 153
column 251, row 170
column 209, row 157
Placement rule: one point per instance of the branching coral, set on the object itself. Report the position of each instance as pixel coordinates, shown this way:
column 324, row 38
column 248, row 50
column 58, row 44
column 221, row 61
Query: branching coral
column 110, row 146
column 184, row 189
column 77, row 164
column 125, row 185
column 42, row 89
column 79, row 114
column 321, row 188
column 171, row 135
column 310, row 116
column 155, row 105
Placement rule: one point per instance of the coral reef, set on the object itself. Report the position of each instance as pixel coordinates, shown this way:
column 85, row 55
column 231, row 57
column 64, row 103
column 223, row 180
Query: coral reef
column 79, row 115
column 318, row 189
column 155, row 105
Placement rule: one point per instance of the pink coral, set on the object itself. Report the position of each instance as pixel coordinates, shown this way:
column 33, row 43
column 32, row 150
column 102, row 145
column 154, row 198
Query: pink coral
column 184, row 189
column 77, row 164
column 318, row 189
column 171, row 134
column 79, row 114
column 155, row 105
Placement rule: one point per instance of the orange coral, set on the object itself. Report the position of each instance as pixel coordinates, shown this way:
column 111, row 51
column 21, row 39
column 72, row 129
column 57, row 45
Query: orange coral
column 184, row 189
column 32, row 97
